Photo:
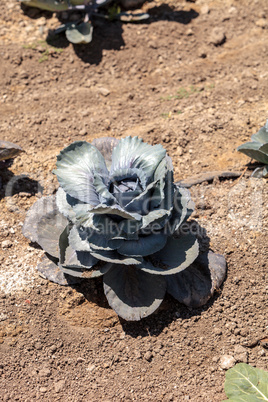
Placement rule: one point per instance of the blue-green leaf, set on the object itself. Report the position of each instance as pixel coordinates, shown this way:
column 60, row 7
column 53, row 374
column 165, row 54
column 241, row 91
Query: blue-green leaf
column 262, row 135
column 133, row 294
column 65, row 207
column 245, row 383
column 106, row 145
column 86, row 273
column 132, row 152
column 79, row 33
column 115, row 210
column 176, row 256
column 252, row 149
column 144, row 246
column 44, row 224
column 183, row 207
column 196, row 284
column 40, row 208
column 264, row 149
column 50, row 270
column 76, row 166
column 114, row 257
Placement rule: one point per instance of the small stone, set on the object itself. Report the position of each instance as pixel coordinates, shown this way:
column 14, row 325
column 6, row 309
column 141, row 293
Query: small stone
column 202, row 54
column 217, row 331
column 217, row 37
column 80, row 360
column 227, row 362
column 179, row 151
column 38, row 345
column 83, row 132
column 137, row 354
column 6, row 244
column 59, row 385
column 106, row 365
column 44, row 372
column 43, row 390
column 205, row 9
column 104, row 91
column 53, row 348
column 262, row 23
column 148, row 356
column 91, row 367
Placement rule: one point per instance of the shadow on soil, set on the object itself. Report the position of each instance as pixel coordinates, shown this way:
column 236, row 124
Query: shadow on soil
column 108, row 34
column 169, row 311
column 22, row 185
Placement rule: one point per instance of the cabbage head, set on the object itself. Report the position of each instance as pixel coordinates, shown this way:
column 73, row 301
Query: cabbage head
column 118, row 214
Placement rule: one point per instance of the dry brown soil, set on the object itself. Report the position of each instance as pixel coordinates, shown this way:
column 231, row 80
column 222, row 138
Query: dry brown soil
column 194, row 78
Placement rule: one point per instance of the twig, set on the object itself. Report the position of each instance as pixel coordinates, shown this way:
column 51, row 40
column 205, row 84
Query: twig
column 238, row 180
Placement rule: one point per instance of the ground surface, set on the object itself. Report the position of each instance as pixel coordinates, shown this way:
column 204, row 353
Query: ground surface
column 193, row 79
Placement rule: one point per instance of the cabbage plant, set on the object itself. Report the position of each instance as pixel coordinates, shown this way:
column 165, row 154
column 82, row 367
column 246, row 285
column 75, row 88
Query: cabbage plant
column 257, row 149
column 118, row 214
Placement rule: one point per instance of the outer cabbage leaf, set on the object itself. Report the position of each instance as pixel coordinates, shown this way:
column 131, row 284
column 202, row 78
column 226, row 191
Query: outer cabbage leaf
column 176, row 256
column 145, row 245
column 132, row 293
column 262, row 135
column 252, row 149
column 44, row 224
column 76, row 167
column 196, row 284
column 114, row 257
column 50, row 270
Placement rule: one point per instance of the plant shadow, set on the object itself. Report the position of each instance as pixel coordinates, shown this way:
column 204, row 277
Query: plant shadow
column 169, row 311
column 12, row 185
column 108, row 35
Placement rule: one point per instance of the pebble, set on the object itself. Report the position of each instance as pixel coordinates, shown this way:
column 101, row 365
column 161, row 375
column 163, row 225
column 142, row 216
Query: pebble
column 179, row 151
column 104, row 91
column 6, row 244
column 262, row 23
column 148, row 356
column 83, row 132
column 227, row 362
column 137, row 354
column 217, row 37
column 45, row 372
column 205, row 9
column 217, row 331
column 80, row 360
column 59, row 385
column 53, row 348
column 43, row 390
column 38, row 345
column 91, row 367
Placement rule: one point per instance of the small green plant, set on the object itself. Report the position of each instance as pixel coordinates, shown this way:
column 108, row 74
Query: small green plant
column 245, row 383
column 182, row 93
column 257, row 149
column 44, row 48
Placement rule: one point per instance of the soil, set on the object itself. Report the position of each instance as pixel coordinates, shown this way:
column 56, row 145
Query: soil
column 193, row 78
